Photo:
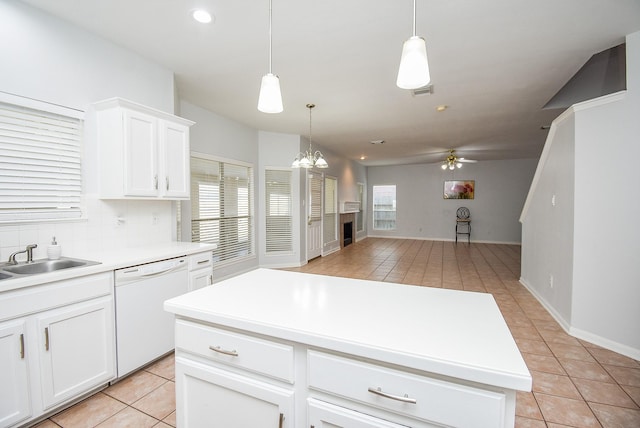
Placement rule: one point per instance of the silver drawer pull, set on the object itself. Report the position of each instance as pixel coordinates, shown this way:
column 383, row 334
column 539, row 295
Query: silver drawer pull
column 405, row 399
column 218, row 349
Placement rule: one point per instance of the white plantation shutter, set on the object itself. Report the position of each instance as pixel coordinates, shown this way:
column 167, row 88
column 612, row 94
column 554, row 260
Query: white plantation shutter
column 330, row 225
column 279, row 222
column 40, row 161
column 222, row 207
column 360, row 213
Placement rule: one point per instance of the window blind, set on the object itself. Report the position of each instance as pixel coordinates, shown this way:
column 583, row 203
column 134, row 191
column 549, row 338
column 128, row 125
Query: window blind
column 221, row 208
column 40, row 164
column 384, row 207
column 279, row 221
column 329, row 227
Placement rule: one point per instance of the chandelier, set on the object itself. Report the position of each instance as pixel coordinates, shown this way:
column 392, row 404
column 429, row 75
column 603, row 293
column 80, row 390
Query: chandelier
column 310, row 159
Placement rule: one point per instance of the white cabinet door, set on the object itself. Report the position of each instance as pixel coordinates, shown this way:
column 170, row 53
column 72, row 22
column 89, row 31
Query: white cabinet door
column 15, row 400
column 76, row 349
column 325, row 415
column 140, row 154
column 210, row 397
column 200, row 278
column 174, row 164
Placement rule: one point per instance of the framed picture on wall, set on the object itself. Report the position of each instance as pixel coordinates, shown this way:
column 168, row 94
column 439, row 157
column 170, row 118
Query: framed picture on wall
column 459, row 189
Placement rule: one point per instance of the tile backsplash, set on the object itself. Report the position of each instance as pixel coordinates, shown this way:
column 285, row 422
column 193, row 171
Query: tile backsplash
column 109, row 225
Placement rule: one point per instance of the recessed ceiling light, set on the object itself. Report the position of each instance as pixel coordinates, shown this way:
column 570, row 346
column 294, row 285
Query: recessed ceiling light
column 202, row 16
column 363, row 157
column 441, row 108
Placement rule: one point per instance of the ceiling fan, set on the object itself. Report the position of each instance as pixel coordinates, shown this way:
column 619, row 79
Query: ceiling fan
column 452, row 161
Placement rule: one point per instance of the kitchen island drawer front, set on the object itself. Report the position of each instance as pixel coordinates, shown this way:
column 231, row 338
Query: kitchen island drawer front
column 251, row 353
column 423, row 398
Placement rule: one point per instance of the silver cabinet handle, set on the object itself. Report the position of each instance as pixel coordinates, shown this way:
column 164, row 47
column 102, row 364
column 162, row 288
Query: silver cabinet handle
column 203, row 261
column 281, row 421
column 218, row 349
column 46, row 338
column 380, row 392
column 22, row 346
column 155, row 181
column 167, row 180
column 210, row 279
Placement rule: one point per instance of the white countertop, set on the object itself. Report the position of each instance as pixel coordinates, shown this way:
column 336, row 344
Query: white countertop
column 109, row 260
column 453, row 333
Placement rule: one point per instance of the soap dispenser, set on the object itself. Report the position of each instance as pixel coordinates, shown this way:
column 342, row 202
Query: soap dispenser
column 54, row 250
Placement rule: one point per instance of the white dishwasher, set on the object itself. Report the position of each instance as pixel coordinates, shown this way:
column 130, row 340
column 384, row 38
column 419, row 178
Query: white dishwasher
column 144, row 331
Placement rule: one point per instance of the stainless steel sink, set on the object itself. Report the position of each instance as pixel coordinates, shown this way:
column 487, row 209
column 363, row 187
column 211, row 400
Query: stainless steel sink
column 45, row 266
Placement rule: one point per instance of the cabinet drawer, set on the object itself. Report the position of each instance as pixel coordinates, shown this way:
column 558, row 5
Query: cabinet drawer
column 435, row 400
column 246, row 352
column 201, row 261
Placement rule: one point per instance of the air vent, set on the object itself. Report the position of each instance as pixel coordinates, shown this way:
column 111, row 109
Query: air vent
column 425, row 90
column 377, row 141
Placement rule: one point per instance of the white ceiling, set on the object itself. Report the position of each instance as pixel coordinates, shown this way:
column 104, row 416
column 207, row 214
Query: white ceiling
column 495, row 63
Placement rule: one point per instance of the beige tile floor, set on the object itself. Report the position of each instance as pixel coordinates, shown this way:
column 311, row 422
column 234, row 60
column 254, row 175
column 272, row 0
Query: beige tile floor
column 575, row 383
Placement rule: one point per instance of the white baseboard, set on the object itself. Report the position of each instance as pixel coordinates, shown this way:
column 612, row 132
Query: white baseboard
column 582, row 334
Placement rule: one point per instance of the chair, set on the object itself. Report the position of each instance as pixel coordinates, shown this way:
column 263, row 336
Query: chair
column 463, row 223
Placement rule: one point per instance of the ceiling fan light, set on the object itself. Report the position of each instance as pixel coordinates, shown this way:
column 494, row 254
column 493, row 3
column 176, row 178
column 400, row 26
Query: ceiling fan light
column 459, row 165
column 270, row 99
column 296, row 163
column 443, row 166
column 451, row 166
column 413, row 72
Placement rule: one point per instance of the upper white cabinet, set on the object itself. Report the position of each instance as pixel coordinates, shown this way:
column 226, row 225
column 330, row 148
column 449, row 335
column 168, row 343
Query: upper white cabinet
column 143, row 152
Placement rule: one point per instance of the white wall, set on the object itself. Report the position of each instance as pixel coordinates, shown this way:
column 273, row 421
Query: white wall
column 547, row 236
column 501, row 188
column 604, row 297
column 50, row 60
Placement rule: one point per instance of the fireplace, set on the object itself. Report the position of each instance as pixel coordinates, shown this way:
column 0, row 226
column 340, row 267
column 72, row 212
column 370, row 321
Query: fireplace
column 347, row 233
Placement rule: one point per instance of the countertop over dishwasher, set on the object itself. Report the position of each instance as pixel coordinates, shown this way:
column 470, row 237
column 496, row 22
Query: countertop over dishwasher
column 109, row 260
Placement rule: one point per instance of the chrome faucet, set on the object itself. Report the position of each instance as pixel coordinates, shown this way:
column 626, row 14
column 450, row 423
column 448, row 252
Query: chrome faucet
column 29, row 251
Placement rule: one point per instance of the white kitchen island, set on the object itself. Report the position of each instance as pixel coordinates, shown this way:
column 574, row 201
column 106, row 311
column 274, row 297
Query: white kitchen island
column 282, row 349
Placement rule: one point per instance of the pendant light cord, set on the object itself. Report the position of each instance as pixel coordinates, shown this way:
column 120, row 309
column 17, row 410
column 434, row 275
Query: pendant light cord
column 270, row 36
column 414, row 18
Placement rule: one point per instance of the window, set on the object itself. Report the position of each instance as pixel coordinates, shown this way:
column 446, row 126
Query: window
column 279, row 222
column 222, row 208
column 360, row 213
column 40, row 160
column 384, row 207
column 330, row 225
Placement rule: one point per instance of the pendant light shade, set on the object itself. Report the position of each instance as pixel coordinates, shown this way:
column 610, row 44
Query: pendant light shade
column 414, row 66
column 270, row 98
column 413, row 72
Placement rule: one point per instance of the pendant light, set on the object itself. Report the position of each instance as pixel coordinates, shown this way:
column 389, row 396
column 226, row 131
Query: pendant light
column 414, row 66
column 270, row 99
column 310, row 159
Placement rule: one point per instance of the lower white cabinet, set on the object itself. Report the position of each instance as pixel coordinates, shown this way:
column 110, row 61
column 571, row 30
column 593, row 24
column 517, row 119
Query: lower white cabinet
column 15, row 403
column 200, row 270
column 207, row 396
column 76, row 349
column 58, row 345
